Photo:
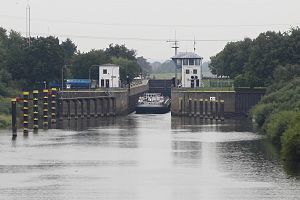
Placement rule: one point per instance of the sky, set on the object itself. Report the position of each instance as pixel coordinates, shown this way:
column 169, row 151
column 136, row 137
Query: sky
column 146, row 25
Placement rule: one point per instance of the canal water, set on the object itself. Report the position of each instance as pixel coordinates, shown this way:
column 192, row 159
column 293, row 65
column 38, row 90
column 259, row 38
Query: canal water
column 145, row 157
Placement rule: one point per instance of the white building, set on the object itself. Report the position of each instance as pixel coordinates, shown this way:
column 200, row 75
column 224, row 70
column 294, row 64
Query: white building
column 109, row 76
column 191, row 69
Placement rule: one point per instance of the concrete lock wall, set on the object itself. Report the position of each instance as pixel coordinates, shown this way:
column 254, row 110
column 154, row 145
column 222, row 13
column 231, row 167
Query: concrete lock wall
column 236, row 103
column 185, row 96
column 119, row 101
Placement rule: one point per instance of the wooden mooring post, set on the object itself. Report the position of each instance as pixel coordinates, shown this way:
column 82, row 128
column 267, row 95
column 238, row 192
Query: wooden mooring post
column 25, row 113
column 14, row 118
column 35, row 111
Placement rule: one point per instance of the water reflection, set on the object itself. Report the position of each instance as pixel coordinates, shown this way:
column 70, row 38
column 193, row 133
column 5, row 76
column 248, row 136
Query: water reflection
column 145, row 157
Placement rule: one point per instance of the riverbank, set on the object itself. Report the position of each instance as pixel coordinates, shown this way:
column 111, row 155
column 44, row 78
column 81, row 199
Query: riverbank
column 5, row 112
column 278, row 116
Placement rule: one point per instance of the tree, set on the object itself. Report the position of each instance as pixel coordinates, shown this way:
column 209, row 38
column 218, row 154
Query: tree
column 70, row 49
column 120, row 51
column 82, row 62
column 128, row 68
column 144, row 65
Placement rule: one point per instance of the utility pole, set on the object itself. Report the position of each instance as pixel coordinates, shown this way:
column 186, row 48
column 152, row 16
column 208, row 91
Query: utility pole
column 28, row 23
column 175, row 46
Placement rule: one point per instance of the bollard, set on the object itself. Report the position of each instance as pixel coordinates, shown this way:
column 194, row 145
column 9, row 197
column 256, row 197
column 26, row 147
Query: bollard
column 211, row 106
column 95, row 107
column 181, row 106
column 101, row 107
column 201, row 108
column 69, row 110
column 88, row 108
column 45, row 109
column 222, row 107
column 61, row 109
column 75, row 109
column 113, row 106
column 25, row 113
column 14, row 118
column 35, row 111
column 82, row 108
column 190, row 108
column 206, row 109
column 216, row 109
column 53, row 105
column 195, row 108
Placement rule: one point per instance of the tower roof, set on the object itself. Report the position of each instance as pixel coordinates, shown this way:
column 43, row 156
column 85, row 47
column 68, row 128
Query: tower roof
column 182, row 55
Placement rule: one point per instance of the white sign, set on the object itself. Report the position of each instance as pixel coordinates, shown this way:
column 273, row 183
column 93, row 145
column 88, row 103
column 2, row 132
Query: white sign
column 68, row 86
column 212, row 98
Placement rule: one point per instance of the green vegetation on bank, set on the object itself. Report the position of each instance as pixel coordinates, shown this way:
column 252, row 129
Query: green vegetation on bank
column 26, row 66
column 271, row 60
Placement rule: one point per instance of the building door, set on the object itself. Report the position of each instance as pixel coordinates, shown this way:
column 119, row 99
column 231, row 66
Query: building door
column 197, row 83
column 107, row 83
column 102, row 83
column 192, row 83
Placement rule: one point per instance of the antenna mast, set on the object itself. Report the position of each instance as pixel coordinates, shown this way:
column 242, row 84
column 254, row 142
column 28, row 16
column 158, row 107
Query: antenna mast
column 28, row 21
column 175, row 46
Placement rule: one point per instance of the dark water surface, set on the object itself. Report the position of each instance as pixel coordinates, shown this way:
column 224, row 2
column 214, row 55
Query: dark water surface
column 145, row 157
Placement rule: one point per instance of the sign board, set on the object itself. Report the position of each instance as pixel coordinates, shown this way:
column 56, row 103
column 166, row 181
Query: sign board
column 212, row 98
column 68, row 86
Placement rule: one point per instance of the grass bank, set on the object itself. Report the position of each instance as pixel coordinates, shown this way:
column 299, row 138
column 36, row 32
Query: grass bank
column 5, row 112
column 278, row 116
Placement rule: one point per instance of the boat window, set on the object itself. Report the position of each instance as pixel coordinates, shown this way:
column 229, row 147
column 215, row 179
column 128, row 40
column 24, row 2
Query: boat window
column 104, row 71
column 187, row 71
column 198, row 61
column 194, row 71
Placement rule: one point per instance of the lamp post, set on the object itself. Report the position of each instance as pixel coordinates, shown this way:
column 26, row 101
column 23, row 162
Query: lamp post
column 62, row 76
column 90, row 74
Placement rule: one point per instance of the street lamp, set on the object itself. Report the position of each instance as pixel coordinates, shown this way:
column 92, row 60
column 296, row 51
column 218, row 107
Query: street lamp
column 62, row 76
column 90, row 74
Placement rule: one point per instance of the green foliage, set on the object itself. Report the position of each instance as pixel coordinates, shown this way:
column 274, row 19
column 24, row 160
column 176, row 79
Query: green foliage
column 261, row 112
column 277, row 124
column 291, row 140
column 259, row 62
column 120, row 51
column 82, row 62
column 128, row 68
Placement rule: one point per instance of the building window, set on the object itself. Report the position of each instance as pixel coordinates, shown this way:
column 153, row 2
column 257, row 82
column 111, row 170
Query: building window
column 191, row 61
column 198, row 61
column 104, row 71
column 194, row 71
column 178, row 62
column 187, row 71
column 185, row 61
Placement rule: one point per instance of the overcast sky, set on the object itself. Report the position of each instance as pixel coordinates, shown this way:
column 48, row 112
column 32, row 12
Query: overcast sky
column 145, row 25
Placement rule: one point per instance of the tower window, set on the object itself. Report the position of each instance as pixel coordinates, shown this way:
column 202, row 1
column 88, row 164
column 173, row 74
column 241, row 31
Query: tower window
column 191, row 61
column 185, row 61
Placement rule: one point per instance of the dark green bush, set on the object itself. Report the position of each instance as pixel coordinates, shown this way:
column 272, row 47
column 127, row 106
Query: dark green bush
column 277, row 124
column 261, row 112
column 291, row 140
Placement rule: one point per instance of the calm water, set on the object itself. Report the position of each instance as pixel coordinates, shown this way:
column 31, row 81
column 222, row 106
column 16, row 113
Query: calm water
column 145, row 157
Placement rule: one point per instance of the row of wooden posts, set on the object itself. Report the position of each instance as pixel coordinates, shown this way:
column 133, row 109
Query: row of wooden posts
column 60, row 108
column 203, row 108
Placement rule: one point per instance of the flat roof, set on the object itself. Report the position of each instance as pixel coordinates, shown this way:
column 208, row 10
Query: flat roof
column 182, row 55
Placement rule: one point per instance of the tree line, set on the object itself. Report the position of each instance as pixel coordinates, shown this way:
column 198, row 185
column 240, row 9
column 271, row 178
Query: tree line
column 261, row 61
column 27, row 66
